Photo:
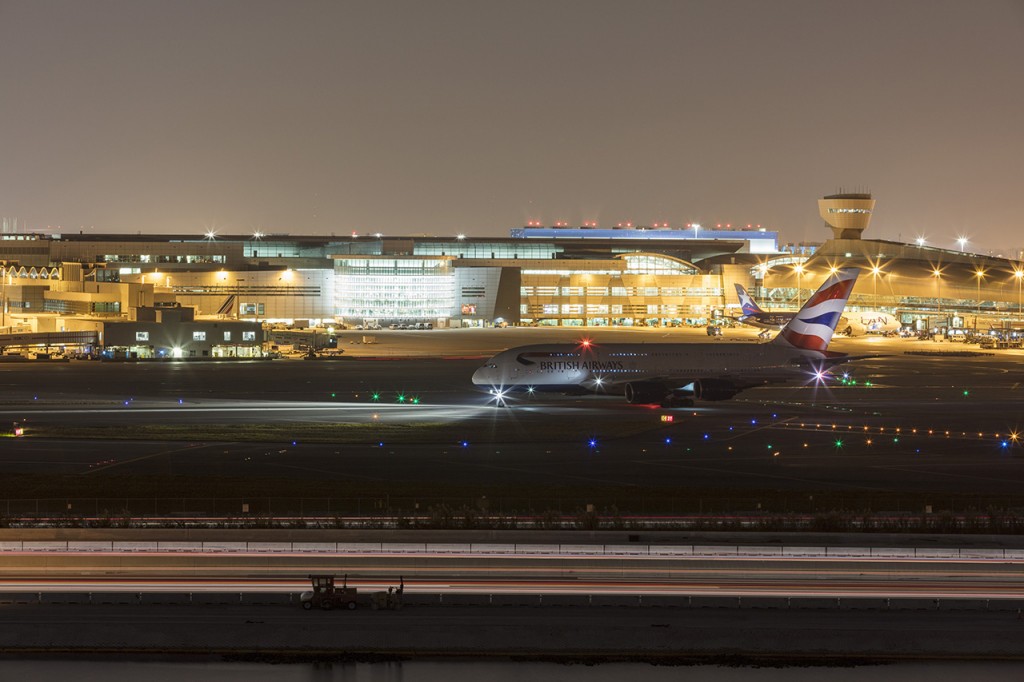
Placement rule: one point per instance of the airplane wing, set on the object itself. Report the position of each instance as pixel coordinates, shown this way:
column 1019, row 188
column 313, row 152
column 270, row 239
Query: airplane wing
column 833, row 359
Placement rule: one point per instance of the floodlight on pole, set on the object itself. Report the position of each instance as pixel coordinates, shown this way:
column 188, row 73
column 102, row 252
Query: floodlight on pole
column 799, row 283
column 979, row 273
column 1019, row 274
column 876, row 270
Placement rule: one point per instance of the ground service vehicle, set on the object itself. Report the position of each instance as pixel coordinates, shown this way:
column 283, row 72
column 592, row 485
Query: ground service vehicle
column 327, row 596
column 392, row 599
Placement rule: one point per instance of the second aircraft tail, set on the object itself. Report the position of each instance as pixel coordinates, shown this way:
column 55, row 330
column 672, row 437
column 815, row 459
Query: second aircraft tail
column 747, row 304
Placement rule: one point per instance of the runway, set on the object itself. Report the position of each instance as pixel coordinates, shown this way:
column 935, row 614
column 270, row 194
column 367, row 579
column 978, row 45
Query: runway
column 913, row 431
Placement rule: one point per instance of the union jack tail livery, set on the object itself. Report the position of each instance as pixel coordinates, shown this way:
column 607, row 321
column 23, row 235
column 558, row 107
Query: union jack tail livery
column 747, row 304
column 812, row 328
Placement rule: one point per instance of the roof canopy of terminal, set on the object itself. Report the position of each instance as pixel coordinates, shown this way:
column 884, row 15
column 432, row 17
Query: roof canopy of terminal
column 657, row 264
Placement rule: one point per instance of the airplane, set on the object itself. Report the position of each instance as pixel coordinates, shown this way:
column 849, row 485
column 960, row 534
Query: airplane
column 850, row 324
column 755, row 317
column 676, row 373
column 869, row 322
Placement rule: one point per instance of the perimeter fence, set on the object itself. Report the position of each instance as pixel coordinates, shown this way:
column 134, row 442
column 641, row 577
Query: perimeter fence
column 487, row 513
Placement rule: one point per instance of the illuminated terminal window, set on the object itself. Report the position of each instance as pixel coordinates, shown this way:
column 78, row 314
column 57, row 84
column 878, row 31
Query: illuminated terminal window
column 652, row 264
column 569, row 273
column 486, row 249
column 394, row 288
column 849, row 210
column 147, row 258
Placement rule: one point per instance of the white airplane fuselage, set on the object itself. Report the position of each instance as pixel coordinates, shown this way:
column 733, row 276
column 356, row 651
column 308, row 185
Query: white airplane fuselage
column 649, row 367
column 869, row 322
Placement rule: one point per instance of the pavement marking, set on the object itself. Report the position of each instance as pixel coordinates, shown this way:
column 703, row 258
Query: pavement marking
column 154, row 454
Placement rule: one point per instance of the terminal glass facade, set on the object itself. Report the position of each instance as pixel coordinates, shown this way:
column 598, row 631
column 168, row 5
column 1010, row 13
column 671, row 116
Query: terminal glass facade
column 394, row 289
column 653, row 264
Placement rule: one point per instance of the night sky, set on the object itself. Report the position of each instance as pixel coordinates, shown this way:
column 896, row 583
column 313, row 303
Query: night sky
column 436, row 117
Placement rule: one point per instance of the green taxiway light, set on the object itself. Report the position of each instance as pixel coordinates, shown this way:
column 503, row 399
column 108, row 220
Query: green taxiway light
column 401, row 397
column 839, row 443
column 375, row 397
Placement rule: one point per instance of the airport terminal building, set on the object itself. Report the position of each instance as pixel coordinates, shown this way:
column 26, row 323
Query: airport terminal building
column 565, row 276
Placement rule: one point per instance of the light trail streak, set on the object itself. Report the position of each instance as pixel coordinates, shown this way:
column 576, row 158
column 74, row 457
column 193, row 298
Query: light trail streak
column 249, row 406
column 835, row 589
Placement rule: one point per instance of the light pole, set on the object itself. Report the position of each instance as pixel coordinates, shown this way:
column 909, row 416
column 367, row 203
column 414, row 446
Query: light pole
column 962, row 241
column 1019, row 274
column 979, row 273
column 799, row 283
column 3, row 296
column 875, row 272
column 586, row 281
column 938, row 297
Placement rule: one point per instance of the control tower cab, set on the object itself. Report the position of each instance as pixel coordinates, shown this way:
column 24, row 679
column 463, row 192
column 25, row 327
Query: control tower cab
column 847, row 214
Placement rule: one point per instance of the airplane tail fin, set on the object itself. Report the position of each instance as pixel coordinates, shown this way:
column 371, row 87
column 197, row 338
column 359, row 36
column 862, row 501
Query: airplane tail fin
column 812, row 328
column 747, row 304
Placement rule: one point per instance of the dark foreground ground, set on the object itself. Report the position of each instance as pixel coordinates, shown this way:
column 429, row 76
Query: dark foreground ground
column 284, row 632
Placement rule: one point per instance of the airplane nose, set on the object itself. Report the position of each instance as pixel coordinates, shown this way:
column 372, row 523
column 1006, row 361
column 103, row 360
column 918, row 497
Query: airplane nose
column 481, row 376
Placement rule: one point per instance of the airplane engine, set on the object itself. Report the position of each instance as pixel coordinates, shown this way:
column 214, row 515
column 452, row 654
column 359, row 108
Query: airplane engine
column 645, row 392
column 714, row 389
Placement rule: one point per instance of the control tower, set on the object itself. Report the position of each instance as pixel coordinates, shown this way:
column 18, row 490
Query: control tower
column 847, row 214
